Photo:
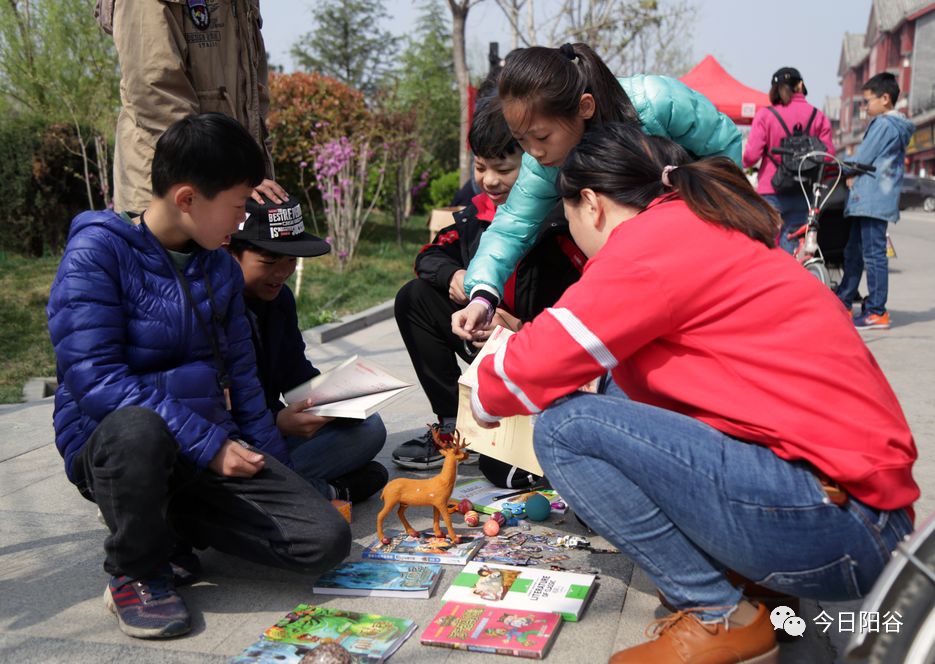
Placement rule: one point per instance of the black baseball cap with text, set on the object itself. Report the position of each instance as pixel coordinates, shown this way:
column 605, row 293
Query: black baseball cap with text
column 279, row 228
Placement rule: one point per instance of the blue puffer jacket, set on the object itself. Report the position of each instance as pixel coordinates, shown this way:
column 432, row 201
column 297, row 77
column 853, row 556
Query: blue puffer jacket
column 666, row 107
column 125, row 335
column 884, row 145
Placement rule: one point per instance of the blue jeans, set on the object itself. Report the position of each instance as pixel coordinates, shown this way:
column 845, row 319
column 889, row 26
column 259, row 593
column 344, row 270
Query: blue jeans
column 340, row 447
column 794, row 212
column 686, row 501
column 866, row 249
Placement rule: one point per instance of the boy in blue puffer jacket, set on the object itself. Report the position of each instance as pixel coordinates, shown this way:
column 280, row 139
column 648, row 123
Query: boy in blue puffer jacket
column 159, row 413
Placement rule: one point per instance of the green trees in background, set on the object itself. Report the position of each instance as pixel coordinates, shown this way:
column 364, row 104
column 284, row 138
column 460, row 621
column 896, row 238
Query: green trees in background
column 426, row 82
column 348, row 43
column 56, row 64
column 60, row 97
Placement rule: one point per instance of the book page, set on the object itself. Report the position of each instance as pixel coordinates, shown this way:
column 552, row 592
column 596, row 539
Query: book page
column 359, row 408
column 355, row 377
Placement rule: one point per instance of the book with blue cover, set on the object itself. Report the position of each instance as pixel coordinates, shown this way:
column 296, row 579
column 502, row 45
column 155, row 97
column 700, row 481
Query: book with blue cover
column 380, row 579
column 423, row 549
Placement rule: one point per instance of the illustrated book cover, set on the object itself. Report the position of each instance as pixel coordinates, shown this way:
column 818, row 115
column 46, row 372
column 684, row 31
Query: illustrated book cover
column 355, row 389
column 485, row 496
column 424, row 549
column 493, row 630
column 369, row 637
column 380, row 579
column 265, row 651
column 522, row 589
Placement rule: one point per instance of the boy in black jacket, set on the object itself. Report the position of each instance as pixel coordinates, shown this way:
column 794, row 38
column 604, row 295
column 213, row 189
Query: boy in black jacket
column 424, row 305
column 333, row 455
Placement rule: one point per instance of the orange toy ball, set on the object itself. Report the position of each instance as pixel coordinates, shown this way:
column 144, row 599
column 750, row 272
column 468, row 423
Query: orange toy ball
column 491, row 528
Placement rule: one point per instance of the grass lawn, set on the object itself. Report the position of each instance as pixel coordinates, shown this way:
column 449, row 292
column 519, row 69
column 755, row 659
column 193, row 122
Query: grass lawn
column 24, row 342
column 380, row 267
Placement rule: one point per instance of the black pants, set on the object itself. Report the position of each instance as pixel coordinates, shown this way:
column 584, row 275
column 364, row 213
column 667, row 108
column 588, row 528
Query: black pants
column 152, row 498
column 423, row 315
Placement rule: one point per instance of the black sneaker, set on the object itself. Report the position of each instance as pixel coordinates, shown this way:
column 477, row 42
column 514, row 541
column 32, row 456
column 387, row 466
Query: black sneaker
column 147, row 608
column 360, row 484
column 420, row 453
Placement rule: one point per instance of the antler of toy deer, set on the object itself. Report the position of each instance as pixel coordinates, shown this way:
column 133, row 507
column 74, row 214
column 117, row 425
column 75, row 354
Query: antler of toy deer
column 455, row 441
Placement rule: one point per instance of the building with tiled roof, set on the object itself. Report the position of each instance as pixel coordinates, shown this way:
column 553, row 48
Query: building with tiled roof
column 900, row 39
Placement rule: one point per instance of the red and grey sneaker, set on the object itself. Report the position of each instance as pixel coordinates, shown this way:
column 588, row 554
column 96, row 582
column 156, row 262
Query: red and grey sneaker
column 147, row 608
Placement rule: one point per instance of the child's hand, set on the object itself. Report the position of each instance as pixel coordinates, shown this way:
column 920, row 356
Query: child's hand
column 467, row 322
column 235, row 460
column 456, row 288
column 293, row 421
column 501, row 318
column 849, row 182
column 271, row 190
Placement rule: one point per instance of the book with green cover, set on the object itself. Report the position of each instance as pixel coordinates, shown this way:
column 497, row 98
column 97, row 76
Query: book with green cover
column 523, row 589
column 369, row 637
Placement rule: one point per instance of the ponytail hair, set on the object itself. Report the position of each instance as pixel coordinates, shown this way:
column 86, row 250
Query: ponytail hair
column 623, row 163
column 551, row 81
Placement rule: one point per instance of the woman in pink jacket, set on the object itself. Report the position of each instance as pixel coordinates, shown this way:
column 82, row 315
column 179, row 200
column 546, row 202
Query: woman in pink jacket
column 787, row 96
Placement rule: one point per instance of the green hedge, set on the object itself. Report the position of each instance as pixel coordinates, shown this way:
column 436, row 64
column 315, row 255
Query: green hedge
column 443, row 189
column 41, row 172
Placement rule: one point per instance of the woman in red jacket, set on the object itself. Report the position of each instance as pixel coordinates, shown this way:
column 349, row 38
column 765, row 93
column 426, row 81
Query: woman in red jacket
column 730, row 437
column 789, row 108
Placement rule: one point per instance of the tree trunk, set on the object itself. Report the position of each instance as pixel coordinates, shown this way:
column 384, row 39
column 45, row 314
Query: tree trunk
column 459, row 12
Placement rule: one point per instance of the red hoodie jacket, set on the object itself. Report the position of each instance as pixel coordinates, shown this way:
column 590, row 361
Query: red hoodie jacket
column 706, row 322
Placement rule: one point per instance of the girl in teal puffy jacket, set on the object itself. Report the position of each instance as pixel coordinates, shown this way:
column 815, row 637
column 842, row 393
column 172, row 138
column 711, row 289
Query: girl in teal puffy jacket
column 550, row 97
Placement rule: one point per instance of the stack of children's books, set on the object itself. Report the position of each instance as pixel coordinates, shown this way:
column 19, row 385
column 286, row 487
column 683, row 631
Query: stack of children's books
column 508, row 610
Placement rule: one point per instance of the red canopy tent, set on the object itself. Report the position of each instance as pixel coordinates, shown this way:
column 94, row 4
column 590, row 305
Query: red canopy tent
column 730, row 96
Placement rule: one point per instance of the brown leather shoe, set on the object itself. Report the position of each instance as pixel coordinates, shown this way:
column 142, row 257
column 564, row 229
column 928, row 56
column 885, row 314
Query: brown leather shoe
column 683, row 639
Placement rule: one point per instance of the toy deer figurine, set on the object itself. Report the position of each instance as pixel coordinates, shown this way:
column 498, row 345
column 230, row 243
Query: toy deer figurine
column 434, row 491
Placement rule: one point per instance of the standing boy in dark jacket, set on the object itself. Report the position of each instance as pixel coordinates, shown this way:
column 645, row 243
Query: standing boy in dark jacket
column 158, row 412
column 424, row 305
column 333, row 455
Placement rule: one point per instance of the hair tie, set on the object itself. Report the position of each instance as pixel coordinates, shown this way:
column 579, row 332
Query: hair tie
column 569, row 52
column 665, row 175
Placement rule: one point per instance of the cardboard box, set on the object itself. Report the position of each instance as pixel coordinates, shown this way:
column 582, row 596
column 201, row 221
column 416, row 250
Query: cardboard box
column 440, row 218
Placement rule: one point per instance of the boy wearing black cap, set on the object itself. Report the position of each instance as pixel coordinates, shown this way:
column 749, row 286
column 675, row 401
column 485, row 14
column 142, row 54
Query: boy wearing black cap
column 333, row 455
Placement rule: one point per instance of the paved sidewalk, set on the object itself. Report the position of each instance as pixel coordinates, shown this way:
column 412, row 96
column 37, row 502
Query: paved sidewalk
column 51, row 580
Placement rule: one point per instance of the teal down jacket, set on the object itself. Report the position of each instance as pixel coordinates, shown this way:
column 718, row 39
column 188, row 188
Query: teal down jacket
column 666, row 107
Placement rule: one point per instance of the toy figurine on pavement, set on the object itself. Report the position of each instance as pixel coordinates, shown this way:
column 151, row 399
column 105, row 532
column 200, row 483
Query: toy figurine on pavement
column 434, row 491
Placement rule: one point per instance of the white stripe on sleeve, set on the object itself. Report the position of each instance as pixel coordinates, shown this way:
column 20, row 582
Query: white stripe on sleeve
column 478, row 410
column 510, row 385
column 585, row 338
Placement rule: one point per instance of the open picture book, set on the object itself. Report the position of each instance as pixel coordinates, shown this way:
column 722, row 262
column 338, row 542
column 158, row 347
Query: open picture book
column 356, row 389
